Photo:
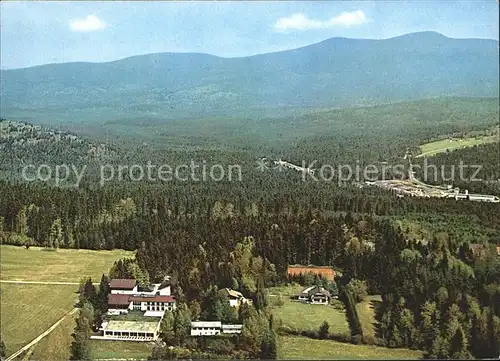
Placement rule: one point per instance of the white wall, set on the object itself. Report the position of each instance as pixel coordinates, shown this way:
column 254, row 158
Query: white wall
column 165, row 291
column 124, row 292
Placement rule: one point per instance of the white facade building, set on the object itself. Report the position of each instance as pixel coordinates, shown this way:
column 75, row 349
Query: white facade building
column 206, row 328
column 213, row 328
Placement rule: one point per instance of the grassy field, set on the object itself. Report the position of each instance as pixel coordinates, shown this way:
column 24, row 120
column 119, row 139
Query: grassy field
column 366, row 312
column 29, row 310
column 63, row 265
column 120, row 349
column 302, row 348
column 439, row 146
column 300, row 316
column 56, row 345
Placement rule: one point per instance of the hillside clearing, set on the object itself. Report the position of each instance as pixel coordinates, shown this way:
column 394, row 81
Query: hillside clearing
column 444, row 145
column 64, row 265
column 305, row 317
column 29, row 310
column 302, row 348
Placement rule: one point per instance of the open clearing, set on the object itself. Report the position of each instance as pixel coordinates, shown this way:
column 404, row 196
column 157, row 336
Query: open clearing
column 29, row 310
column 56, row 345
column 440, row 146
column 366, row 313
column 305, row 317
column 303, row 348
column 63, row 265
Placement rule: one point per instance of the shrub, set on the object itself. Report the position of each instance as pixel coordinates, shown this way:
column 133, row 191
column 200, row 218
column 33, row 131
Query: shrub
column 357, row 339
column 358, row 289
column 338, row 305
column 323, row 330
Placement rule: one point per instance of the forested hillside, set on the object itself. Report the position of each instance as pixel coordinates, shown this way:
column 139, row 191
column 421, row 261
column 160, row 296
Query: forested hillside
column 337, row 72
column 433, row 261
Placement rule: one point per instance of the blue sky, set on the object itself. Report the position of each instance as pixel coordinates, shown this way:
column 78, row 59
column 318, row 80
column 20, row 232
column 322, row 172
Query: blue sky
column 34, row 33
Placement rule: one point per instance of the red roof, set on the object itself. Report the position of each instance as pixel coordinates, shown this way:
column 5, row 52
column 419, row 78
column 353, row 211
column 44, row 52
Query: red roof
column 152, row 298
column 325, row 271
column 118, row 300
column 122, row 284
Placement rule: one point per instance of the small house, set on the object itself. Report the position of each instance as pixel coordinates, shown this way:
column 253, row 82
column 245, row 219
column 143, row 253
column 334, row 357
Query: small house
column 235, row 297
column 314, row 295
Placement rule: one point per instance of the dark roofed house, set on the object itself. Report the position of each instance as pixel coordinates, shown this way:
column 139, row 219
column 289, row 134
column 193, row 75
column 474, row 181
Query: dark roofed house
column 314, row 295
column 119, row 302
column 120, row 285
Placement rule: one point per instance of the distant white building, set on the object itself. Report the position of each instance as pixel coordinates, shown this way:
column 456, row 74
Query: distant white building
column 125, row 297
column 135, row 314
column 236, row 299
column 213, row 328
column 206, row 328
column 232, row 328
column 129, row 331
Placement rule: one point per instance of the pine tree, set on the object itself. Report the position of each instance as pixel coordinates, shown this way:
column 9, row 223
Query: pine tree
column 2, row 347
column 56, row 236
column 103, row 294
column 182, row 323
column 167, row 328
column 458, row 347
column 323, row 330
column 88, row 293
column 80, row 347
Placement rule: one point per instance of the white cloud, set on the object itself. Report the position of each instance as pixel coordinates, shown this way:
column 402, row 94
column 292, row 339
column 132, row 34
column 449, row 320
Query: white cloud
column 301, row 22
column 90, row 23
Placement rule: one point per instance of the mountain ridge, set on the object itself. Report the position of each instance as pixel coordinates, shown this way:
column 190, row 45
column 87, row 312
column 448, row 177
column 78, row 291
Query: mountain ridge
column 337, row 72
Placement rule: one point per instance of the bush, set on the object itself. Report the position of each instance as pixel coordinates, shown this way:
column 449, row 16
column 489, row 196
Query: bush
column 357, row 339
column 323, row 330
column 338, row 305
column 358, row 289
column 369, row 340
column 278, row 302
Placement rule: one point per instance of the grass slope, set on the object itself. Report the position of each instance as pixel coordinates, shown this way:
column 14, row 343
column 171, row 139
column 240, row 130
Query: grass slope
column 366, row 312
column 120, row 349
column 29, row 310
column 304, row 317
column 303, row 348
column 63, row 265
column 56, row 345
column 444, row 145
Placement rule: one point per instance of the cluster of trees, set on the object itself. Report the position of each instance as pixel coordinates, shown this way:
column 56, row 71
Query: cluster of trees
column 443, row 300
column 197, row 300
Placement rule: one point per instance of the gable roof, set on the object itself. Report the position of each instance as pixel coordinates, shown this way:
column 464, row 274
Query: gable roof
column 314, row 290
column 118, row 300
column 122, row 284
column 232, row 293
column 325, row 271
column 164, row 284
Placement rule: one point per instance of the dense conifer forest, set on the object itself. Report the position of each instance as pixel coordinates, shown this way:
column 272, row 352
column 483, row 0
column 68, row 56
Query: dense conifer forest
column 437, row 294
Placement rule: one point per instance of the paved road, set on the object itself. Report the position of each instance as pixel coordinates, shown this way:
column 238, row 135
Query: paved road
column 36, row 340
